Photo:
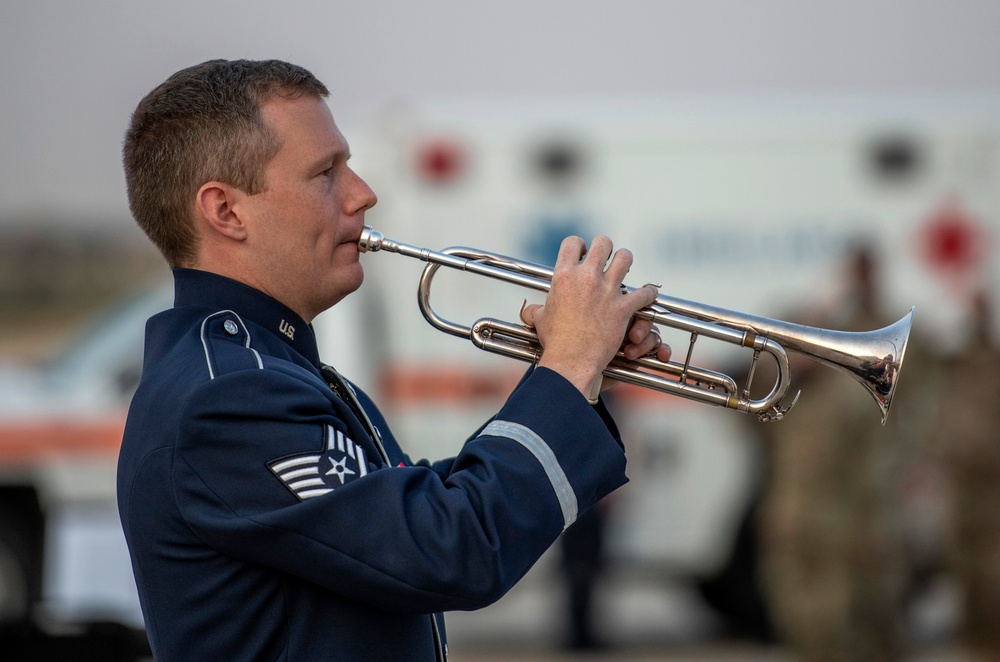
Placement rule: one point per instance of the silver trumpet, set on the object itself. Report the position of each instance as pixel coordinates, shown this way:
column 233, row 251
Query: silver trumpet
column 872, row 358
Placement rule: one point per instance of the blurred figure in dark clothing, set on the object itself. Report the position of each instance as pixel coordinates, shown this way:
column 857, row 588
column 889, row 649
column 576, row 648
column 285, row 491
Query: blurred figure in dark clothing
column 582, row 560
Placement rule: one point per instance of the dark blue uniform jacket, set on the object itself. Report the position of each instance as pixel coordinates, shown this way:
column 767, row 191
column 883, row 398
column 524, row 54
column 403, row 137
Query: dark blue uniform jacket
column 264, row 522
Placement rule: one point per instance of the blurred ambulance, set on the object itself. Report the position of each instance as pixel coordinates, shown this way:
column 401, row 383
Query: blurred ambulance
column 748, row 205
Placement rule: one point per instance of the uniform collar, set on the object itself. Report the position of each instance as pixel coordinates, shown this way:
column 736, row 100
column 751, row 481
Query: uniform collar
column 202, row 288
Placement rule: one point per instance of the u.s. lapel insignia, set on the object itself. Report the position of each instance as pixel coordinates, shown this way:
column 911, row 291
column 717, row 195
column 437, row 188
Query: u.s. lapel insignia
column 310, row 475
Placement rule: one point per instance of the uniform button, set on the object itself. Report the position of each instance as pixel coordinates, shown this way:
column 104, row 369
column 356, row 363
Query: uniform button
column 230, row 327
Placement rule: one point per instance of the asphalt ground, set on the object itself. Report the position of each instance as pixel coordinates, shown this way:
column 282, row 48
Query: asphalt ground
column 714, row 652
column 647, row 620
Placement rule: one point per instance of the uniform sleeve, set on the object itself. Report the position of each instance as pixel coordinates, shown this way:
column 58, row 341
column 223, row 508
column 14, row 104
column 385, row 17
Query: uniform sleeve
column 400, row 538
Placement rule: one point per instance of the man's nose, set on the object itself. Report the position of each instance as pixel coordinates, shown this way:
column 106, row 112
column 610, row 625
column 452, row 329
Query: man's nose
column 363, row 196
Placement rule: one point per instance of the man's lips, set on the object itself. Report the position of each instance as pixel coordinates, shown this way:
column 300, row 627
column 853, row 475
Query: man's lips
column 352, row 241
column 355, row 237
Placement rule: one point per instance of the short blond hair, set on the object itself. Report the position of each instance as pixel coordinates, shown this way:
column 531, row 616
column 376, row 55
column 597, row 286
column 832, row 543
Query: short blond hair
column 202, row 124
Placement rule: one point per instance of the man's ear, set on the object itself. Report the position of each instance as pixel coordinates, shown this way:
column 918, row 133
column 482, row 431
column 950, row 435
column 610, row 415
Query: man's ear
column 215, row 205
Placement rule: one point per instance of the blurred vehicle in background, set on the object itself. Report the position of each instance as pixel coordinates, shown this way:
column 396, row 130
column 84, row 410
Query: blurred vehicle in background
column 746, row 206
column 64, row 567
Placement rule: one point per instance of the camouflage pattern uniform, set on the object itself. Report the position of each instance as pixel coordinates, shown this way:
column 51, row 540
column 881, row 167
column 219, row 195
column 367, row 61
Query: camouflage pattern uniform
column 970, row 432
column 833, row 561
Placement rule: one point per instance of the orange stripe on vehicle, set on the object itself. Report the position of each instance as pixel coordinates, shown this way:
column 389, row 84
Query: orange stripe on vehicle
column 403, row 385
column 23, row 442
column 411, row 384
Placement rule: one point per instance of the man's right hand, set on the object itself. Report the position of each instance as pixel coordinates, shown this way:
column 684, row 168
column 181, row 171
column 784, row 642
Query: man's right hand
column 586, row 315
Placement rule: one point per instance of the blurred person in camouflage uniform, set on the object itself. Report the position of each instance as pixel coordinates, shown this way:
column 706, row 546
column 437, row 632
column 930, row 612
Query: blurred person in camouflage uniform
column 833, row 562
column 970, row 436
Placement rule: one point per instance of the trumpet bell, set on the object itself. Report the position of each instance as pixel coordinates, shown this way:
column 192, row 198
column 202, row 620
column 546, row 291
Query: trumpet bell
column 873, row 358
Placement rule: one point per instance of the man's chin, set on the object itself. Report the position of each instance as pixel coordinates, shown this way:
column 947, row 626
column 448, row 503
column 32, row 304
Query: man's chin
column 350, row 281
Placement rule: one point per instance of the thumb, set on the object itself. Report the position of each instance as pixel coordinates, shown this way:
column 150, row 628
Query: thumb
column 528, row 312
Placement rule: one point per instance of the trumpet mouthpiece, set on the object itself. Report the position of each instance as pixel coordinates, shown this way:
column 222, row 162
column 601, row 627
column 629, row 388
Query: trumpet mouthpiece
column 370, row 240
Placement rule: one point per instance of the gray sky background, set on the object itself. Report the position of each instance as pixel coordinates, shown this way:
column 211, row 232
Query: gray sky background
column 72, row 71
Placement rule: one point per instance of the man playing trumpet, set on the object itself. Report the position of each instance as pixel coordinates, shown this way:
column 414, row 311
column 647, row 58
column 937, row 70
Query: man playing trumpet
column 269, row 511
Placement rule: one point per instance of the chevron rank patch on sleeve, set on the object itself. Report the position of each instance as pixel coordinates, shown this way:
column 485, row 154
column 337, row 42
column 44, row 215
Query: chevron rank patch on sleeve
column 310, row 475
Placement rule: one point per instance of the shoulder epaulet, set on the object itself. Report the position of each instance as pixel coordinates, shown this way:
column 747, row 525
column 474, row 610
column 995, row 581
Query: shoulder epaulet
column 227, row 344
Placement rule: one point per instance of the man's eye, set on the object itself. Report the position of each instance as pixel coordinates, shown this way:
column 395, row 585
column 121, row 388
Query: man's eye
column 328, row 172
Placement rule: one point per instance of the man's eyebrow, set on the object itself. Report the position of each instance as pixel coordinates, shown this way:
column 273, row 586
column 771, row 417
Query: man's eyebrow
column 329, row 158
